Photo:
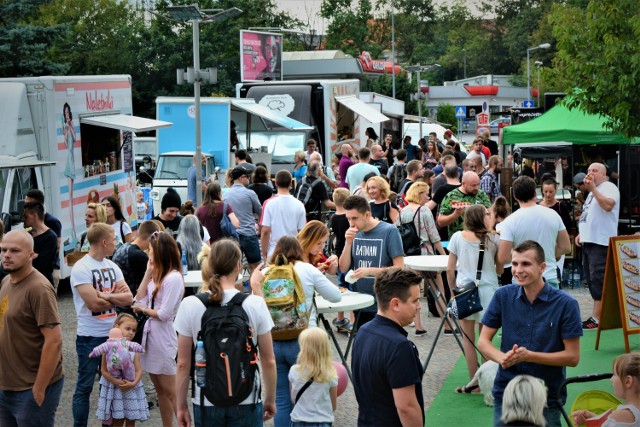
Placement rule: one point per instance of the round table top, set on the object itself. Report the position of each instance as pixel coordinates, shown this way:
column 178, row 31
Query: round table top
column 436, row 263
column 350, row 301
column 193, row 279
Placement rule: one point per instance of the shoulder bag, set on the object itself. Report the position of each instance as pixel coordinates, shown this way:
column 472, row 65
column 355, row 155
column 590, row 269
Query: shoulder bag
column 466, row 300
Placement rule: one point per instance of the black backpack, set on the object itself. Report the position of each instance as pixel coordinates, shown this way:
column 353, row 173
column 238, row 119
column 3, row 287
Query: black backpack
column 411, row 243
column 397, row 176
column 232, row 357
column 305, row 191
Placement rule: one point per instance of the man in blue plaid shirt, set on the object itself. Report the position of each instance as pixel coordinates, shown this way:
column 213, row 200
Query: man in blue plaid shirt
column 489, row 182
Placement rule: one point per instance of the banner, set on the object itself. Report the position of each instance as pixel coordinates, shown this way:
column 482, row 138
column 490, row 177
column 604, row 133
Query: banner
column 260, row 56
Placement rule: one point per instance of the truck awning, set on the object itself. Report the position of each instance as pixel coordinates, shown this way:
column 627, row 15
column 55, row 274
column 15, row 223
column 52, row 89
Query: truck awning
column 125, row 122
column 361, row 108
column 10, row 162
column 250, row 106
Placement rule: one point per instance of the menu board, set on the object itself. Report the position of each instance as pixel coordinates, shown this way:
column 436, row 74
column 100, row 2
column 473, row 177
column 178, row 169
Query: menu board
column 621, row 290
column 127, row 150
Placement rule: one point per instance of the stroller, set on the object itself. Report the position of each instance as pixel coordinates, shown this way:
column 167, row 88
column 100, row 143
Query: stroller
column 596, row 401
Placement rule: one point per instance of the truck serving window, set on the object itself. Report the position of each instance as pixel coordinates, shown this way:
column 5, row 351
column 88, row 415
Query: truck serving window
column 100, row 149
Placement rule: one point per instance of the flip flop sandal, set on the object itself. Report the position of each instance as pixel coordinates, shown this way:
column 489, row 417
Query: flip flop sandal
column 467, row 390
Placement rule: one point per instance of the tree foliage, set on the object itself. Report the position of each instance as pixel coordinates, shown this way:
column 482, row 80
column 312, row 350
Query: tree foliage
column 24, row 45
column 599, row 54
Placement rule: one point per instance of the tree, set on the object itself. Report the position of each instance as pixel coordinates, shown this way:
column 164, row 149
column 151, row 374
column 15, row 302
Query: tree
column 446, row 115
column 23, row 44
column 600, row 56
column 352, row 31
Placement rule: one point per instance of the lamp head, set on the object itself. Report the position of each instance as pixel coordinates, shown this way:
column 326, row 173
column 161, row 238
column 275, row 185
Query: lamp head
column 544, row 46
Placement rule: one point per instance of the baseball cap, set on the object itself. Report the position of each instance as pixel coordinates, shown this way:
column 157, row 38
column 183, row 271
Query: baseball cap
column 237, row 172
column 579, row 178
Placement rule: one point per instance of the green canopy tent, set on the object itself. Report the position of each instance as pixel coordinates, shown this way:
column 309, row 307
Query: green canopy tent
column 561, row 126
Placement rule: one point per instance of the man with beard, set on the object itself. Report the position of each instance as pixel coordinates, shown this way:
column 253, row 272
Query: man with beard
column 31, row 372
column 489, row 181
column 453, row 205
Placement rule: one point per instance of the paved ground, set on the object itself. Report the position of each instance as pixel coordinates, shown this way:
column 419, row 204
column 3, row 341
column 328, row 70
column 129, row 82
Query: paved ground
column 445, row 356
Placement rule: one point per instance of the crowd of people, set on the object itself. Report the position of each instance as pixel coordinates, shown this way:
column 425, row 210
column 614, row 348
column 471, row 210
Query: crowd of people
column 125, row 279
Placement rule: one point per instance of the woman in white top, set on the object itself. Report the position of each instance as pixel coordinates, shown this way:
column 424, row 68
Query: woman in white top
column 287, row 351
column 115, row 219
column 626, row 385
column 223, row 265
column 464, row 252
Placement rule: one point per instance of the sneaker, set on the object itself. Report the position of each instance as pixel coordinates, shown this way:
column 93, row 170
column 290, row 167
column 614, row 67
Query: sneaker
column 449, row 332
column 412, row 324
column 340, row 323
column 421, row 332
column 590, row 324
column 348, row 328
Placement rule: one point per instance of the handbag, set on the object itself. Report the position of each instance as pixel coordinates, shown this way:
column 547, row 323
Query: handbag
column 142, row 320
column 226, row 227
column 466, row 300
column 411, row 242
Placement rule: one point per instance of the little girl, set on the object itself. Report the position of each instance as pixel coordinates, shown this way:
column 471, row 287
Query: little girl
column 626, row 385
column 121, row 400
column 316, row 403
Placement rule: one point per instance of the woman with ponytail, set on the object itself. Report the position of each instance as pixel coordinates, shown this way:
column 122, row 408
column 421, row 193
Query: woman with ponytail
column 158, row 297
column 222, row 267
column 464, row 252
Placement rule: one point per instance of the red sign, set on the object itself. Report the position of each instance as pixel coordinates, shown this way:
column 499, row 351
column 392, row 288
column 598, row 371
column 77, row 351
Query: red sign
column 482, row 119
column 370, row 65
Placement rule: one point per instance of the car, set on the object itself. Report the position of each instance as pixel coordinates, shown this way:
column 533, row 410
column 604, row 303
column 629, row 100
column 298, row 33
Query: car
column 498, row 124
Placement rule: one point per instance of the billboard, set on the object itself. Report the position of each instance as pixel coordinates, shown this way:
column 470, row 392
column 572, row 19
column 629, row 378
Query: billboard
column 260, row 56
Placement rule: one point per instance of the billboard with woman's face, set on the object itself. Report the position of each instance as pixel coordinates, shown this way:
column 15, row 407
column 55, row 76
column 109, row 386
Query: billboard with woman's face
column 260, row 56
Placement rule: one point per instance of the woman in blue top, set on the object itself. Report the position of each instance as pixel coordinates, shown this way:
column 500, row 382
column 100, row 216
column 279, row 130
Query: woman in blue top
column 300, row 169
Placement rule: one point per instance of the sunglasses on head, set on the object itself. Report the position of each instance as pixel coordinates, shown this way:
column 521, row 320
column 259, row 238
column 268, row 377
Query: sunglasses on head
column 154, row 236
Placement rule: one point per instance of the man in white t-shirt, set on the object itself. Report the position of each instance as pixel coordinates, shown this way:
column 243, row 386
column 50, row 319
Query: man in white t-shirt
column 282, row 215
column 537, row 223
column 598, row 222
column 98, row 287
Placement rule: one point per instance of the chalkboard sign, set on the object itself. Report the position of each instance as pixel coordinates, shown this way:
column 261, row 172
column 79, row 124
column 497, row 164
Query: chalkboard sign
column 621, row 290
column 127, row 151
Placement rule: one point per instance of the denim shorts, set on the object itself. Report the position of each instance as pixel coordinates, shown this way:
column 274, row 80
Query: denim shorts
column 250, row 245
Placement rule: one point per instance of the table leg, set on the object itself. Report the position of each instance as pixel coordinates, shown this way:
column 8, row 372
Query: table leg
column 451, row 321
column 329, row 330
column 354, row 329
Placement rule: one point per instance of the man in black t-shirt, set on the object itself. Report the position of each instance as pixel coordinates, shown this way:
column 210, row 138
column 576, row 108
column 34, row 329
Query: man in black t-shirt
column 319, row 196
column 378, row 160
column 387, row 371
column 35, row 195
column 45, row 241
column 414, row 171
column 132, row 258
column 170, row 208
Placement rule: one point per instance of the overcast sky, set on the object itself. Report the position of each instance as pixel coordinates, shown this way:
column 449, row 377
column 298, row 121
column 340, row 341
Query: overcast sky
column 309, row 11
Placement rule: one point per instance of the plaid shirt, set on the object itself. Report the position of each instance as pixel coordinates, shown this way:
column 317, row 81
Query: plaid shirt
column 489, row 184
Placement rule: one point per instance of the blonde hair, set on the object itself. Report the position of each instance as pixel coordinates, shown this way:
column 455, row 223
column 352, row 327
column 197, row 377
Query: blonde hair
column 524, row 399
column 101, row 212
column 314, row 359
column 99, row 231
column 628, row 365
column 311, row 233
column 382, row 183
column 413, row 193
column 300, row 155
column 339, row 196
column 123, row 317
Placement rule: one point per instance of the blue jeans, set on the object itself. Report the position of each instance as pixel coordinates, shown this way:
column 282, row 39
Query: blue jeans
column 18, row 408
column 232, row 416
column 551, row 415
column 286, row 353
column 87, row 368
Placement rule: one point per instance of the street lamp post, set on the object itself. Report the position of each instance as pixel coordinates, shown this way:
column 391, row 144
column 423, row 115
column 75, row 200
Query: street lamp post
column 393, row 50
column 538, row 64
column 191, row 13
column 541, row 46
column 464, row 51
column 417, row 69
